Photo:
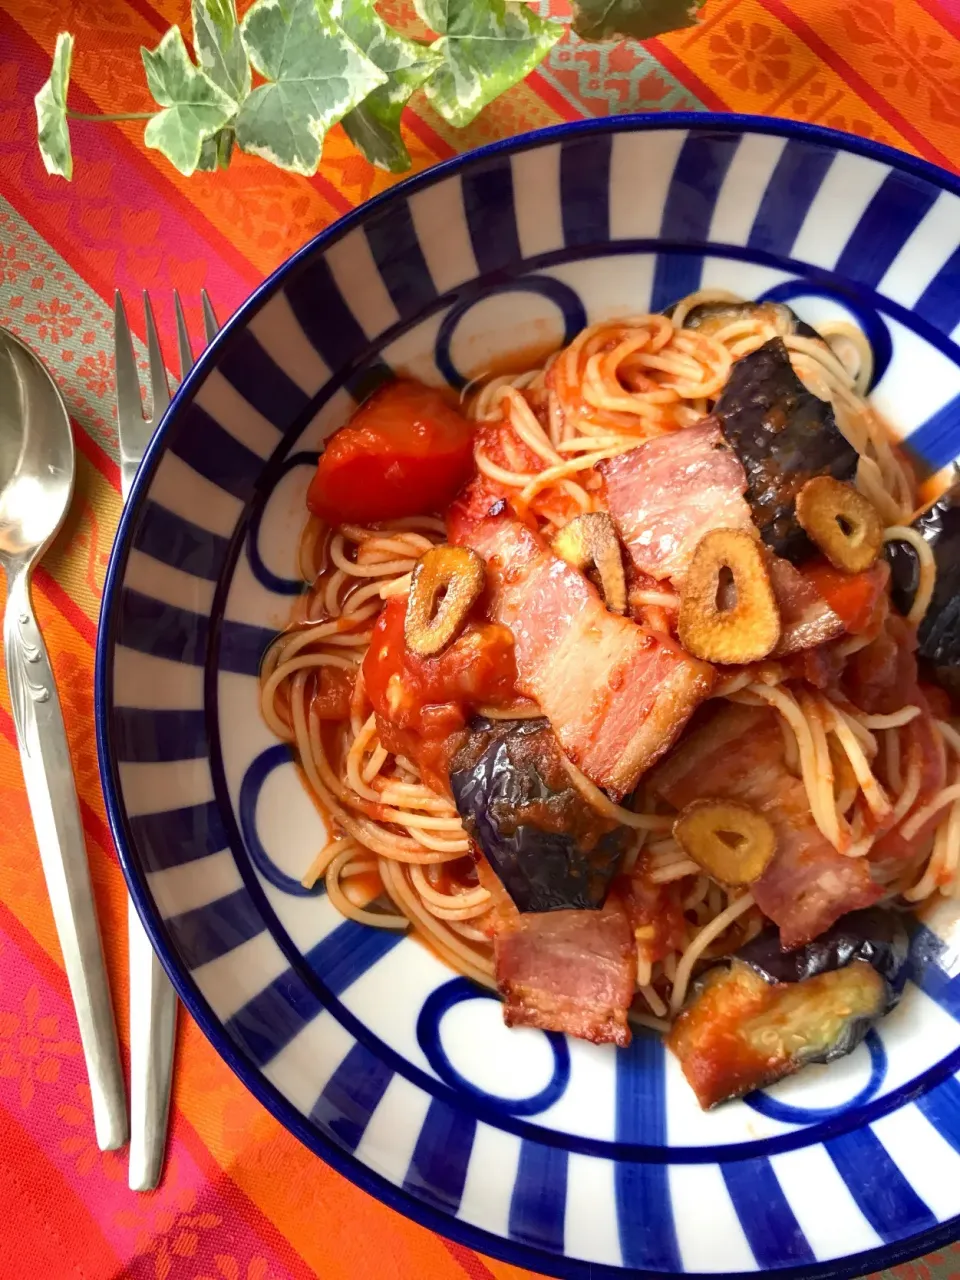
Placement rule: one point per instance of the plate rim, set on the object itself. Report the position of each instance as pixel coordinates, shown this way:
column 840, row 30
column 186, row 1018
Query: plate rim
column 346, row 1163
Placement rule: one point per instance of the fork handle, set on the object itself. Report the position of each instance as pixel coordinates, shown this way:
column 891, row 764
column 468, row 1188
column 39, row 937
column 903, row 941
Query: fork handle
column 52, row 793
column 153, row 1028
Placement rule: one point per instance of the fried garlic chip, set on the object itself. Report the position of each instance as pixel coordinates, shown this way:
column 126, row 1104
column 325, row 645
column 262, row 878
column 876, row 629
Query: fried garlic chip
column 590, row 542
column 728, row 611
column 840, row 520
column 445, row 585
column 730, row 841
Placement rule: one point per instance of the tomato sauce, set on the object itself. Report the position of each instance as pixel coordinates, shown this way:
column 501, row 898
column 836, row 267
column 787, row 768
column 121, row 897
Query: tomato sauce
column 423, row 705
column 448, row 877
column 521, row 358
column 333, row 689
column 656, row 914
column 363, row 888
column 881, row 677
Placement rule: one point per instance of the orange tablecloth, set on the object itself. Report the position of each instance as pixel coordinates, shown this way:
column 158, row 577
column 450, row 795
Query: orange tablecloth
column 241, row 1199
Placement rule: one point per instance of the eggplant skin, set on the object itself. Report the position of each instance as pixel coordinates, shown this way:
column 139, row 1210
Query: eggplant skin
column 550, row 850
column 711, row 316
column 766, row 1013
column 874, row 935
column 783, row 435
column 938, row 638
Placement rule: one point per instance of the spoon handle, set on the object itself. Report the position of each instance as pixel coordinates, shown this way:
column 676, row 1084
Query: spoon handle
column 56, row 818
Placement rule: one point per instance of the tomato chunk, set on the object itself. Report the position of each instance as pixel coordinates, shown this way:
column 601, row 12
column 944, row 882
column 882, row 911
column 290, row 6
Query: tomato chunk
column 854, row 597
column 423, row 703
column 406, row 451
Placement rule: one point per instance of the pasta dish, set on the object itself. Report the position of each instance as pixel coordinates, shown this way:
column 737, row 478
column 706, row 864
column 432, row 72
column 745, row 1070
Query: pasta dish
column 623, row 682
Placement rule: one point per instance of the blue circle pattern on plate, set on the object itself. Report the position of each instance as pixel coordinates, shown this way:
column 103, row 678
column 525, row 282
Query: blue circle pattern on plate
column 266, row 577
column 441, row 1001
column 567, row 301
column 253, row 780
column 789, row 1113
column 259, row 1038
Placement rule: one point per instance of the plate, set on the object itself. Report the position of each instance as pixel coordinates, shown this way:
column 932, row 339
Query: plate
column 556, row 1155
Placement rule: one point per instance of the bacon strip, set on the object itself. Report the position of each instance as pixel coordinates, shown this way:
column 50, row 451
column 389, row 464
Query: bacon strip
column 739, row 755
column 568, row 971
column 670, row 491
column 806, row 620
column 616, row 695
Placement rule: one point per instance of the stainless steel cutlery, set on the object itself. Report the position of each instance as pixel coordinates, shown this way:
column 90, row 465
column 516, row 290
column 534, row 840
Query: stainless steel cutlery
column 36, row 486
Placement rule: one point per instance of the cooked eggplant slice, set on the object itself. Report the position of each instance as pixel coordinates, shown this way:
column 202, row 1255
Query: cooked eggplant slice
column 711, row 317
column 875, row 935
column 939, row 633
column 549, row 848
column 740, row 1033
column 766, row 1013
column 783, row 435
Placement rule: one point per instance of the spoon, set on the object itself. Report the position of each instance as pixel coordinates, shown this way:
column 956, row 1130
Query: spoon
column 36, row 484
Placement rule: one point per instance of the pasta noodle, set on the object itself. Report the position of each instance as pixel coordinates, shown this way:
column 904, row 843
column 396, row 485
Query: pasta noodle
column 400, row 857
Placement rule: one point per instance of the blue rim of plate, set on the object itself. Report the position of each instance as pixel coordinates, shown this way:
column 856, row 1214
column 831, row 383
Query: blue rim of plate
column 343, row 1162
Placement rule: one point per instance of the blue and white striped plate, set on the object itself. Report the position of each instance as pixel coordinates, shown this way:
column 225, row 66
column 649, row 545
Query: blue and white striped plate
column 557, row 1155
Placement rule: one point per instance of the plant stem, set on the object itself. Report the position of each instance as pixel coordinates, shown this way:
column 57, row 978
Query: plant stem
column 127, row 115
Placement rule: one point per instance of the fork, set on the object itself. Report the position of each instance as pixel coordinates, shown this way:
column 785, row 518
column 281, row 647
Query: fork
column 153, row 1001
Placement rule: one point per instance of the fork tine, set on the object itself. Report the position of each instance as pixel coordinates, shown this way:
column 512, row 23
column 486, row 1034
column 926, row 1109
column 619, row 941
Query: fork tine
column 183, row 338
column 210, row 326
column 159, row 389
column 128, row 383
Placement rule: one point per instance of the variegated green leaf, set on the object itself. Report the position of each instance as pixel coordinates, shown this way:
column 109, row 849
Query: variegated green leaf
column 374, row 126
column 216, row 151
column 195, row 108
column 316, row 75
column 53, row 133
column 487, row 46
column 639, row 19
column 219, row 48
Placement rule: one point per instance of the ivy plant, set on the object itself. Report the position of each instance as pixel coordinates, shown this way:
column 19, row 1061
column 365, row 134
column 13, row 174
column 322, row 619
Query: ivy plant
column 320, row 62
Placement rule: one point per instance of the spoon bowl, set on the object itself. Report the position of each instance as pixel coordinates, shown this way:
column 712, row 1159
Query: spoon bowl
column 36, row 453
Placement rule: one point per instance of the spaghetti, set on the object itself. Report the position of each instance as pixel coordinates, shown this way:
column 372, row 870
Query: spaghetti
column 401, row 857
